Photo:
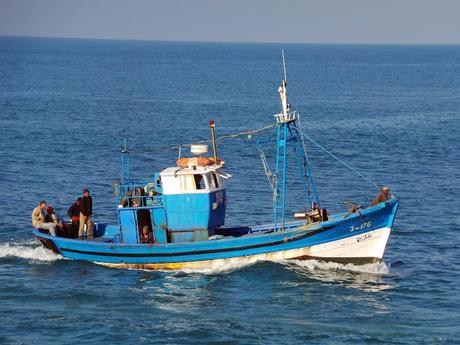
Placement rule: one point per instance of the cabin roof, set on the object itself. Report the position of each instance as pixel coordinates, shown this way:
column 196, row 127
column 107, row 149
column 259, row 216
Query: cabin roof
column 173, row 171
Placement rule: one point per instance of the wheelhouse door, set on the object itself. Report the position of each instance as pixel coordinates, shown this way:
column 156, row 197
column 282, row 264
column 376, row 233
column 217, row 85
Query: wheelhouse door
column 128, row 226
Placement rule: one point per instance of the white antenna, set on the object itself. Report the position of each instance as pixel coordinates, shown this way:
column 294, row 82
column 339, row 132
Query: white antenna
column 282, row 89
column 284, row 65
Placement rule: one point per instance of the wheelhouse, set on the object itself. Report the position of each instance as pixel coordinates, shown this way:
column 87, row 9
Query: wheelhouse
column 178, row 180
column 180, row 204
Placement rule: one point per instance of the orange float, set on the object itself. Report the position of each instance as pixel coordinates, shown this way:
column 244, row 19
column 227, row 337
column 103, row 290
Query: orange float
column 196, row 161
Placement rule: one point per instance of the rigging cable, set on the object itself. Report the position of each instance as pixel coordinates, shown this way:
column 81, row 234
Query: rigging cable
column 270, row 175
column 250, row 132
column 341, row 161
column 220, row 138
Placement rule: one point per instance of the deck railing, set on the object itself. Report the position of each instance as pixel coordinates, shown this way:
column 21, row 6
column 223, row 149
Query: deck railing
column 137, row 194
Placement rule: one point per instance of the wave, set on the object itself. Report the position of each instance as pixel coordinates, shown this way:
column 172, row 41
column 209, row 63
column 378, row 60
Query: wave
column 368, row 277
column 28, row 250
column 379, row 268
column 221, row 269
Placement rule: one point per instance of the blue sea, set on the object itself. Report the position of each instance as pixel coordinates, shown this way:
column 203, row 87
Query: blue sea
column 390, row 111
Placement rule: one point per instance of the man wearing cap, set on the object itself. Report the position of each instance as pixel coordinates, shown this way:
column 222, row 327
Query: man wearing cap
column 38, row 219
column 384, row 195
column 53, row 217
column 86, row 210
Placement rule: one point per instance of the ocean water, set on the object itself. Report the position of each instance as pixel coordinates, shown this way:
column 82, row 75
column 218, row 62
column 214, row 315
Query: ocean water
column 392, row 112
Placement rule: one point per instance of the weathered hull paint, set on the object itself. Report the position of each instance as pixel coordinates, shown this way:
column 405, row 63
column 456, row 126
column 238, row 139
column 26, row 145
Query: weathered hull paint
column 49, row 244
column 359, row 238
column 351, row 250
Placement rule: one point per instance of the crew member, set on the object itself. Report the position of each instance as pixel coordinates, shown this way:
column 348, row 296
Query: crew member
column 147, row 236
column 384, row 195
column 38, row 219
column 74, row 213
column 86, row 211
column 53, row 217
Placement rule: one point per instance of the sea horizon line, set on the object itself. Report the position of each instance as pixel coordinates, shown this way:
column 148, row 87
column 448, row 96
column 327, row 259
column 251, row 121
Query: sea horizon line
column 232, row 42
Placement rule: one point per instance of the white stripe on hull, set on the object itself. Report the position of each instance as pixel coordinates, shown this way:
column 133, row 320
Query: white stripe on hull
column 370, row 245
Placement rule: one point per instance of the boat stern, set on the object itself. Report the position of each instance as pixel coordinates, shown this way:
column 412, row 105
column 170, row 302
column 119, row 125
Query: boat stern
column 46, row 240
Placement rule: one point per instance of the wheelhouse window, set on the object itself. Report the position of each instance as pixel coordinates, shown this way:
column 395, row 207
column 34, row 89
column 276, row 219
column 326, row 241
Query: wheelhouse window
column 214, row 180
column 191, row 182
column 188, row 182
column 199, row 181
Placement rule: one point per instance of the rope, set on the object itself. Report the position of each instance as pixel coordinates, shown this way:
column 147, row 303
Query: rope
column 341, row 161
column 270, row 176
column 223, row 137
column 249, row 132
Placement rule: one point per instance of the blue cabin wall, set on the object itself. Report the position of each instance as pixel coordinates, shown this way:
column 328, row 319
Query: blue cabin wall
column 194, row 216
column 129, row 223
column 184, row 217
column 218, row 202
column 195, row 211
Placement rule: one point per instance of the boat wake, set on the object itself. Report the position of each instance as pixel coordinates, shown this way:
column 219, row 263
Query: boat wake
column 315, row 267
column 380, row 268
column 368, row 277
column 224, row 269
column 27, row 250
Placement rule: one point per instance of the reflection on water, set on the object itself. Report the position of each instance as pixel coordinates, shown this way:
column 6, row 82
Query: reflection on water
column 296, row 284
column 175, row 291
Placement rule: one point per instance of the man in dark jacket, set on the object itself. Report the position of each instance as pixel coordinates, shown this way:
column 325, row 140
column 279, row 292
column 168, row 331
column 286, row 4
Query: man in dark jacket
column 74, row 213
column 86, row 211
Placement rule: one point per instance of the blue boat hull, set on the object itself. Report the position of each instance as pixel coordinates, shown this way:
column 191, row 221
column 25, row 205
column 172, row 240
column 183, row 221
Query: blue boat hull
column 358, row 238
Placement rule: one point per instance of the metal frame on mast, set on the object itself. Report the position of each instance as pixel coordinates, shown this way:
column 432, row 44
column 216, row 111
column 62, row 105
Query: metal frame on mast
column 288, row 131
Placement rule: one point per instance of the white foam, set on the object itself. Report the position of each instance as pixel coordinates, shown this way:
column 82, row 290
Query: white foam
column 312, row 266
column 368, row 277
column 379, row 268
column 222, row 269
column 27, row 250
column 308, row 265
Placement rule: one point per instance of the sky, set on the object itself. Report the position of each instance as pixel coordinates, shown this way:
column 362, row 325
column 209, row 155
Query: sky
column 288, row 21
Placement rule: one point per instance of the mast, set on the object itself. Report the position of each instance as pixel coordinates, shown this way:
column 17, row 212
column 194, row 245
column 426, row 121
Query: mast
column 289, row 132
column 212, row 125
column 125, row 162
column 284, row 65
column 282, row 90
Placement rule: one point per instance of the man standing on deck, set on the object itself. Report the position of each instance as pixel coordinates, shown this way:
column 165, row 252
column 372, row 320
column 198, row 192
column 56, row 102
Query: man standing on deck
column 86, row 210
column 74, row 213
column 38, row 219
column 384, row 195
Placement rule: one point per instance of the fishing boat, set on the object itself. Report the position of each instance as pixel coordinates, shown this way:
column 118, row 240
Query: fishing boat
column 183, row 209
